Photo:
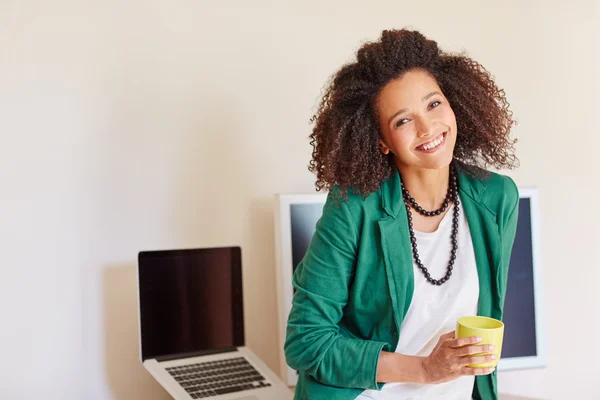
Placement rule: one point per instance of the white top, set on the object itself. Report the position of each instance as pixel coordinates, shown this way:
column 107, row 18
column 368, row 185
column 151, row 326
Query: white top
column 434, row 310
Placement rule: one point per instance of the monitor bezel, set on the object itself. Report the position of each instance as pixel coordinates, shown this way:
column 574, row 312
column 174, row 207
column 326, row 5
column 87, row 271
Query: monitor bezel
column 539, row 360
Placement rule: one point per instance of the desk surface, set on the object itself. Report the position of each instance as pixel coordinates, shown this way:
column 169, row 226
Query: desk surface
column 514, row 397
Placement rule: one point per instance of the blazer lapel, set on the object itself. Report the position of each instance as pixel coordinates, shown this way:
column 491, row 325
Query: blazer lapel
column 486, row 243
column 395, row 246
column 398, row 266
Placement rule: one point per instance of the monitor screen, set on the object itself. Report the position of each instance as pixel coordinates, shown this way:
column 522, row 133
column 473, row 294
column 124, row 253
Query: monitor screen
column 190, row 301
column 519, row 306
column 298, row 215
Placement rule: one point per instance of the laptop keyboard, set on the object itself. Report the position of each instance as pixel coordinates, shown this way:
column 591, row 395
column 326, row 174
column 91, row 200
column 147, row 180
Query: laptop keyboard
column 218, row 377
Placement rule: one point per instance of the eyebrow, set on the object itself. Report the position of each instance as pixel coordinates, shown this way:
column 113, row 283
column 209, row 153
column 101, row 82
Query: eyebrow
column 425, row 98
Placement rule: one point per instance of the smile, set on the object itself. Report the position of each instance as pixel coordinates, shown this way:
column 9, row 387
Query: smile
column 433, row 145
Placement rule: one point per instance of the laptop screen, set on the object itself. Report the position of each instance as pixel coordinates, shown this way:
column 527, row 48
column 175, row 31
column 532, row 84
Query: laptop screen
column 190, row 301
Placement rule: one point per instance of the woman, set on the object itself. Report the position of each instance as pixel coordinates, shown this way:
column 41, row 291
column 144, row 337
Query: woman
column 415, row 232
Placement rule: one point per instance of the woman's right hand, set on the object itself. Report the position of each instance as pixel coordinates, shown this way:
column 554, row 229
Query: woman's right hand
column 450, row 357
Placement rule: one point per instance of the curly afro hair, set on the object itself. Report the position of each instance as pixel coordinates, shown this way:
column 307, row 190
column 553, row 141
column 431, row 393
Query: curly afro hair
column 345, row 136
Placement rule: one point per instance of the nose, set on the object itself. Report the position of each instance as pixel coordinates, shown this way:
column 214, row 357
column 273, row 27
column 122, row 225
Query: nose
column 424, row 126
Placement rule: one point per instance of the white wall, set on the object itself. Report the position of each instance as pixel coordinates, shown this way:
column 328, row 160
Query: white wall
column 129, row 125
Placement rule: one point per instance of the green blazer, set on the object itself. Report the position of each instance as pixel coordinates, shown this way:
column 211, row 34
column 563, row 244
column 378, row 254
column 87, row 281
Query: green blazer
column 355, row 283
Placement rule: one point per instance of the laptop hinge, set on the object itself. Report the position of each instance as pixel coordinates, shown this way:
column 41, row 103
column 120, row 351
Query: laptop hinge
column 195, row 354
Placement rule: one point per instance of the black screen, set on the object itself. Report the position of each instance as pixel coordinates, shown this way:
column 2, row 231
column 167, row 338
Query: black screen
column 190, row 301
column 519, row 310
column 519, row 307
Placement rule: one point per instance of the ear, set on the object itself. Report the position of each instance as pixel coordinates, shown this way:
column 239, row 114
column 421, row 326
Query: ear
column 383, row 147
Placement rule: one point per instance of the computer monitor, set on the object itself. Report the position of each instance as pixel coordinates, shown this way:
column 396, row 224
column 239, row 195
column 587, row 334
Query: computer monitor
column 523, row 346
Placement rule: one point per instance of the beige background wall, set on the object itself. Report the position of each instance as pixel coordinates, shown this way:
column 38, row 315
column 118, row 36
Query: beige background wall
column 129, row 125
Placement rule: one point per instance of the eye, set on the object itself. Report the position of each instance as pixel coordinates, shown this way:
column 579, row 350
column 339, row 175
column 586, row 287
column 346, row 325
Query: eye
column 435, row 104
column 400, row 122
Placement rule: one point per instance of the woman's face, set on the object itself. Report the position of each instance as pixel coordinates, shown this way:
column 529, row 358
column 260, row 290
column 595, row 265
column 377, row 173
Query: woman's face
column 417, row 124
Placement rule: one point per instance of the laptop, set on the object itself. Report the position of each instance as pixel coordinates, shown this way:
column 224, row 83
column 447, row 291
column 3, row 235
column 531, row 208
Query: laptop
column 192, row 327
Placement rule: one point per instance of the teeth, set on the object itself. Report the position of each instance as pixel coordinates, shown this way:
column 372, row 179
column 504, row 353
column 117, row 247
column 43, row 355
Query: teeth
column 434, row 144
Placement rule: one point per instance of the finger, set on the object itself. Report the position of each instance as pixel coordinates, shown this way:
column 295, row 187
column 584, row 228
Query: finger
column 477, row 371
column 446, row 336
column 477, row 359
column 455, row 343
column 469, row 350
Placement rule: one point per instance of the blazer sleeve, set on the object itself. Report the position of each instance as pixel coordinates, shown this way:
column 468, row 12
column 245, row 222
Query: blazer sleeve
column 314, row 342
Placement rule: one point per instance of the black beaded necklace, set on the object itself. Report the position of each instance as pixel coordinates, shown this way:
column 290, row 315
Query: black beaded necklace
column 451, row 195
